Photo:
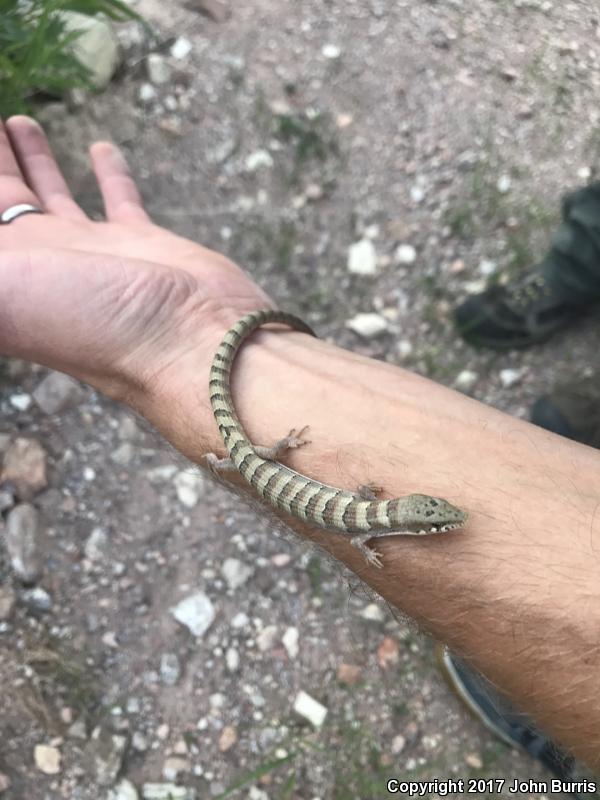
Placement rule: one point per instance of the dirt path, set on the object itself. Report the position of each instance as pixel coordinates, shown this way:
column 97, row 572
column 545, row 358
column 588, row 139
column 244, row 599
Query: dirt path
column 443, row 133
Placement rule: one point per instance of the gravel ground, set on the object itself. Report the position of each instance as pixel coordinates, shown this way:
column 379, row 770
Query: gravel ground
column 357, row 158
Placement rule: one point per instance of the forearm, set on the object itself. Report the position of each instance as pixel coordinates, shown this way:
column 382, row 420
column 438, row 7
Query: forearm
column 517, row 591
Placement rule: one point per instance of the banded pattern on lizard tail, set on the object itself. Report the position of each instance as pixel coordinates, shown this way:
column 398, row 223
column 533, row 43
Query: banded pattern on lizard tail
column 358, row 513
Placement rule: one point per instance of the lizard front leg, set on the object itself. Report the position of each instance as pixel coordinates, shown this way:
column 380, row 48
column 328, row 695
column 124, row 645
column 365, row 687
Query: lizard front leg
column 372, row 556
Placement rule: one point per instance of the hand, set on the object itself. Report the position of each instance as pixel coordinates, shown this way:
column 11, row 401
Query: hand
column 121, row 304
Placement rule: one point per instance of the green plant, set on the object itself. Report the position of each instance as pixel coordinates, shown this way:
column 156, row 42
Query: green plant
column 36, row 50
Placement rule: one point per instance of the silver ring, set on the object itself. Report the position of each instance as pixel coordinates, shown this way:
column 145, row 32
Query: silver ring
column 17, row 211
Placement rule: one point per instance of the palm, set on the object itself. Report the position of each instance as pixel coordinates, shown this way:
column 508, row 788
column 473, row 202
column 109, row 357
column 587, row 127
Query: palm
column 100, row 299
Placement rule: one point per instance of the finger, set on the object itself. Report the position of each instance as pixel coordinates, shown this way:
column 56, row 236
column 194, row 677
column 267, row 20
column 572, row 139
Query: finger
column 40, row 169
column 13, row 189
column 122, row 200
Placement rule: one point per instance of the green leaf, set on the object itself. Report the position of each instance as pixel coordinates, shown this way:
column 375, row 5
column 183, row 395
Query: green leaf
column 36, row 52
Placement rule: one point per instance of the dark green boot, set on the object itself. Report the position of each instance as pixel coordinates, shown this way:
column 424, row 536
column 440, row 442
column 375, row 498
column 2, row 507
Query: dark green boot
column 522, row 313
column 553, row 294
column 572, row 410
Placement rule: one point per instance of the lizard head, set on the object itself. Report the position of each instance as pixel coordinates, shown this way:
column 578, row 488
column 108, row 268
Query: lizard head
column 421, row 514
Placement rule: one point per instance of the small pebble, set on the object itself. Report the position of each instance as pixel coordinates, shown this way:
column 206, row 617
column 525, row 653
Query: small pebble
column 369, row 325
column 181, row 48
column 331, row 51
column 196, row 612
column 47, row 759
column 406, row 254
column 474, row 761
column 362, row 258
column 510, row 377
column 20, row 401
column 310, row 709
column 465, row 380
column 504, row 184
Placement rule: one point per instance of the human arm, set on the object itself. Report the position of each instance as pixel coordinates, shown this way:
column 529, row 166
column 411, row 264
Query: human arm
column 138, row 313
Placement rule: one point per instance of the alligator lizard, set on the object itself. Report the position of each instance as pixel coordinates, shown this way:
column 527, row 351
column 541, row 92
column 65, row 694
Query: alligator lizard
column 359, row 514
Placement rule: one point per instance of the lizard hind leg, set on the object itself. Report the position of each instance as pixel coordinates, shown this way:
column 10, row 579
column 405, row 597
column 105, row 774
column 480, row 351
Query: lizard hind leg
column 368, row 491
column 290, row 442
column 218, row 466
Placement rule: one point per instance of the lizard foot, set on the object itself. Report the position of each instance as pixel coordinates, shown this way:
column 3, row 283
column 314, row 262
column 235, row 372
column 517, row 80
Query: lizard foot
column 368, row 491
column 372, row 556
column 293, row 439
column 219, row 465
column 290, row 442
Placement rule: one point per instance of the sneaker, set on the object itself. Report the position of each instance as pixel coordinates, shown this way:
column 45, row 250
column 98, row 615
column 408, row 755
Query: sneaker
column 571, row 411
column 502, row 719
column 522, row 313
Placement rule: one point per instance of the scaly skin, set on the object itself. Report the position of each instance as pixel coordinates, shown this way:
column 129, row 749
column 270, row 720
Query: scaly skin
column 359, row 513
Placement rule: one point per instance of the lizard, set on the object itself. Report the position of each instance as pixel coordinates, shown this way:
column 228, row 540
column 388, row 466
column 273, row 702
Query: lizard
column 358, row 514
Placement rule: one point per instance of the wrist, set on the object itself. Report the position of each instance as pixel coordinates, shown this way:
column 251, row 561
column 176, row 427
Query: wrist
column 174, row 394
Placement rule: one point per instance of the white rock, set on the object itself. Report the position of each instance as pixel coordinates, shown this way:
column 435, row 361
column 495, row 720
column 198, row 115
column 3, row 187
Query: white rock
column 362, row 258
column 290, row 642
column 417, row 193
column 20, row 401
column 139, row 742
column 406, row 254
column 37, row 598
column 56, row 392
column 189, row 487
column 196, row 612
column 487, row 267
column 21, row 537
column 181, row 48
column 170, row 669
column 47, row 759
column 110, row 639
column 240, row 620
column 259, row 794
column 465, row 380
column 405, row 348
column 232, row 659
column 77, row 730
column 258, row 159
column 475, row 287
column 236, row 573
column 157, row 69
column 123, row 454
column 584, row 173
column 368, row 325
column 266, row 638
column 510, row 377
column 331, row 51
column 373, row 613
column 124, row 790
column 167, row 791
column 504, row 184
column 97, row 47
column 474, row 761
column 146, row 94
column 309, row 708
column 96, row 546
column 161, row 474
column 398, row 744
